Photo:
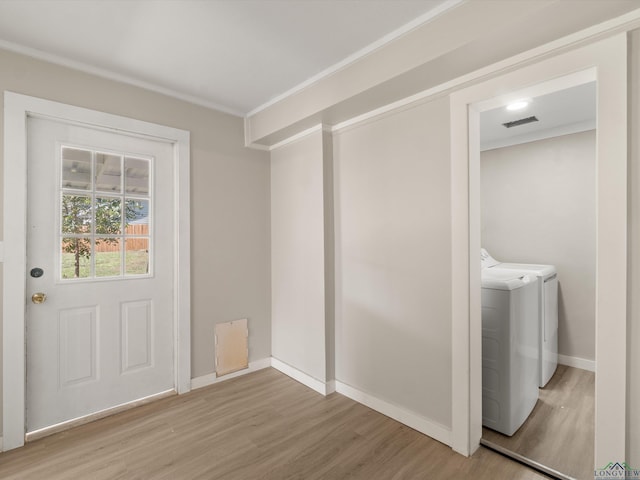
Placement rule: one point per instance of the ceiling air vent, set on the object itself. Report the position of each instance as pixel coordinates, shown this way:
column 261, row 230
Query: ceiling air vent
column 522, row 121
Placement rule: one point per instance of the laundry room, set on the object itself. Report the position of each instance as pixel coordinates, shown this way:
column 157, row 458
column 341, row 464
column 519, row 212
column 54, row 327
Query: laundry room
column 538, row 207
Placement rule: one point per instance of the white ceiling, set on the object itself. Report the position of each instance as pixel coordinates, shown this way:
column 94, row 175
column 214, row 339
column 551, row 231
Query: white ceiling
column 239, row 55
column 234, row 55
column 563, row 112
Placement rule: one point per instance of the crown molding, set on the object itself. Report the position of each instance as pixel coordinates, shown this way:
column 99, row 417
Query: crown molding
column 118, row 77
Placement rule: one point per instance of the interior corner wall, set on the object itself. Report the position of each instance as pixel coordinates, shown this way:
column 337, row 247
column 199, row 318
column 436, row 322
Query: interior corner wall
column 393, row 259
column 538, row 204
column 329, row 257
column 633, row 299
column 298, row 256
column 230, row 275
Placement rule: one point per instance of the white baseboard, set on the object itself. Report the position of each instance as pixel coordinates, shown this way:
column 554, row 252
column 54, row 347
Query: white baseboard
column 210, row 379
column 411, row 419
column 1, row 446
column 577, row 362
column 307, row 380
column 423, row 425
column 331, row 386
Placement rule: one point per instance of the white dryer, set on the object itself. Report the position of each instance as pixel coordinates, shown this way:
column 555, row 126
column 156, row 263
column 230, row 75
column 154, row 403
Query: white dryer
column 509, row 349
column 547, row 309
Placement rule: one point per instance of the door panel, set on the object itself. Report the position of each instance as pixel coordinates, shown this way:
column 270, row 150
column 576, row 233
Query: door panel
column 137, row 335
column 77, row 345
column 100, row 226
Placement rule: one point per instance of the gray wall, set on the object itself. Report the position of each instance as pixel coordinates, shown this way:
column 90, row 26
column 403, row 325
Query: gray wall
column 538, row 206
column 230, row 276
column 393, row 259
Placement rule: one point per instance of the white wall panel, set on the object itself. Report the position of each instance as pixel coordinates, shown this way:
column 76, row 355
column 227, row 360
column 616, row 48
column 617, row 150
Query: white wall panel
column 298, row 256
column 393, row 268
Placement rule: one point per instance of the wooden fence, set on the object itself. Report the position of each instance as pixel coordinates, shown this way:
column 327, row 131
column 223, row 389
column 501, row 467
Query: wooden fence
column 130, row 243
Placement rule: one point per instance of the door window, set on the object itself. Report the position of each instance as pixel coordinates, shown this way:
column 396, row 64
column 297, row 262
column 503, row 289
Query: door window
column 105, row 214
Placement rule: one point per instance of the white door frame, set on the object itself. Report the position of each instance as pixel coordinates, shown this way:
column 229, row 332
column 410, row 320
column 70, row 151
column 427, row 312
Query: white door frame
column 16, row 110
column 605, row 61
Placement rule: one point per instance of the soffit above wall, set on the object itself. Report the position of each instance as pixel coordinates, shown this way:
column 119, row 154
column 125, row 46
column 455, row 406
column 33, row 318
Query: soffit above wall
column 486, row 33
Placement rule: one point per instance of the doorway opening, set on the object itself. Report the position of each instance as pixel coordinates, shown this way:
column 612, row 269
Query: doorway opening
column 538, row 216
column 606, row 63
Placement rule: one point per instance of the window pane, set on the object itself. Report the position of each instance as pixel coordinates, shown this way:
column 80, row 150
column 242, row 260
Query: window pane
column 108, row 257
column 108, row 173
column 105, row 227
column 76, row 258
column 136, row 175
column 137, row 216
column 76, row 169
column 137, row 256
column 108, row 216
column 76, row 214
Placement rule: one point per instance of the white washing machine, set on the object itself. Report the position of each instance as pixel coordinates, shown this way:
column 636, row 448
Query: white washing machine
column 509, row 349
column 547, row 310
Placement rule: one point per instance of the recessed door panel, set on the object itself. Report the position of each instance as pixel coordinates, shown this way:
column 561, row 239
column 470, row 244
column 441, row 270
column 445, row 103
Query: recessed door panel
column 137, row 326
column 77, row 330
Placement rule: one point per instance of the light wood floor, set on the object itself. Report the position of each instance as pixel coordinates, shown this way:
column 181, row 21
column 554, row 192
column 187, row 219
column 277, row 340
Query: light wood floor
column 259, row 426
column 560, row 431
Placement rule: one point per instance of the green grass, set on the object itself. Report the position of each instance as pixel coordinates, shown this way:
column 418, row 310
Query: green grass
column 107, row 264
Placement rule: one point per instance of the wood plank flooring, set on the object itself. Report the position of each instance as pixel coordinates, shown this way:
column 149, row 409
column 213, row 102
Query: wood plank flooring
column 263, row 425
column 559, row 433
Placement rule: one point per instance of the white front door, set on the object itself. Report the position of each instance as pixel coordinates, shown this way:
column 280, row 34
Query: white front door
column 100, row 250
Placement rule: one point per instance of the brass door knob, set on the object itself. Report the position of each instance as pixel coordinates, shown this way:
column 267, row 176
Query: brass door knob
column 38, row 297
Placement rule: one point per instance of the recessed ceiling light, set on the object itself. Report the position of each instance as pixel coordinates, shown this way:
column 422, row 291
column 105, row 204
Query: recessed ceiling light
column 517, row 105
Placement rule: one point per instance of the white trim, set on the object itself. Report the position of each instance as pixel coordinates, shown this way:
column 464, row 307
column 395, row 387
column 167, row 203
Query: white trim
column 406, row 417
column 1, row 445
column 577, row 362
column 391, row 107
column 16, row 109
column 354, row 57
column 606, row 59
column 118, row 77
column 182, row 258
column 305, row 379
column 331, row 387
column 625, row 22
column 210, row 379
column 316, row 128
column 13, row 351
column 258, row 146
column 1, row 251
column 464, row 436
